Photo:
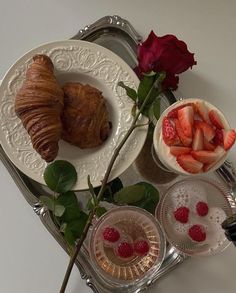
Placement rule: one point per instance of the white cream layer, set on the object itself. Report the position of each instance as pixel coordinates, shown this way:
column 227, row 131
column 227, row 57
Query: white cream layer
column 163, row 150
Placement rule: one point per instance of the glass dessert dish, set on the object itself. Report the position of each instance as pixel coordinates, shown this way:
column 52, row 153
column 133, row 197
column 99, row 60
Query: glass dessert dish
column 192, row 136
column 191, row 213
column 127, row 246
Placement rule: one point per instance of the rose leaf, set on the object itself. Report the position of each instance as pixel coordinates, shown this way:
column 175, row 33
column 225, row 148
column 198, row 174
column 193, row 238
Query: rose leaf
column 49, row 202
column 60, row 176
column 100, row 211
column 129, row 91
column 75, row 228
column 72, row 208
column 129, row 194
column 59, row 210
column 111, row 188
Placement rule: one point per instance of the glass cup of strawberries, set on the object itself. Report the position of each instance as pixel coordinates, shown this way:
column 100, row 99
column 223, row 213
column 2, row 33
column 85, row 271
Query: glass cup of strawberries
column 127, row 246
column 192, row 136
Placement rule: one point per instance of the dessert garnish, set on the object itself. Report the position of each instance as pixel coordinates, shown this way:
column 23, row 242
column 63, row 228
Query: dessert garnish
column 202, row 208
column 197, row 136
column 111, row 234
column 181, row 214
column 197, row 233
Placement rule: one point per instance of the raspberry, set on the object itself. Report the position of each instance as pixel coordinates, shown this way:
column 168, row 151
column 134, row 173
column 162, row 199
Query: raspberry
column 197, row 233
column 202, row 208
column 181, row 215
column 125, row 249
column 141, row 247
column 111, row 234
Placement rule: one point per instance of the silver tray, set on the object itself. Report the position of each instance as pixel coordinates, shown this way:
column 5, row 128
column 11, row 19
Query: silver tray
column 118, row 35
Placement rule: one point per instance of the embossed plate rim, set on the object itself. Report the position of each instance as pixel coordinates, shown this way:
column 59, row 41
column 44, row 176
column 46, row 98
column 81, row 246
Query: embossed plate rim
column 138, row 137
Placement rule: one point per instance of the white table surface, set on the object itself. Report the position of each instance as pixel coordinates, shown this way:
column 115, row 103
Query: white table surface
column 30, row 259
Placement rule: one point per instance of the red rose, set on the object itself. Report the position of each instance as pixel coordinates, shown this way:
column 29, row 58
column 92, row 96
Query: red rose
column 167, row 54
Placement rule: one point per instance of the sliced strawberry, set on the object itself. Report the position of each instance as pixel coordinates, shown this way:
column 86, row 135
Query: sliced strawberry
column 168, row 132
column 174, row 112
column 215, row 119
column 218, row 138
column 201, row 109
column 198, row 140
column 220, row 152
column 208, row 167
column 229, row 136
column 208, row 131
column 208, row 145
column 185, row 116
column 208, row 157
column 189, row 164
column 179, row 150
column 204, row 156
column 186, row 141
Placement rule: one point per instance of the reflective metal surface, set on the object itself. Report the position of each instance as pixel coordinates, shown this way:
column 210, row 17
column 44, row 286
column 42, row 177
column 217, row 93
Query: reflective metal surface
column 118, row 35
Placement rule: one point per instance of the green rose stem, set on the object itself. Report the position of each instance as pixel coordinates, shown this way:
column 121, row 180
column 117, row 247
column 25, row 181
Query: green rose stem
column 92, row 213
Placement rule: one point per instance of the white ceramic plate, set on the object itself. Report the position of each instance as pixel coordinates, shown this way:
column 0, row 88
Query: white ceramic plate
column 87, row 63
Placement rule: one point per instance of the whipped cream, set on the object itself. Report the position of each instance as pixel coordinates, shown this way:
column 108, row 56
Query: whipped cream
column 163, row 150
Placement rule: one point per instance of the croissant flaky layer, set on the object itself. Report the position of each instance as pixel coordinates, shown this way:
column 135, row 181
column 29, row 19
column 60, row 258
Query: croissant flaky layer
column 85, row 117
column 39, row 105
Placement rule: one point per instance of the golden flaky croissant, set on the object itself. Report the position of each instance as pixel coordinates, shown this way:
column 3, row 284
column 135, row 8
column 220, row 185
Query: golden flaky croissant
column 85, row 117
column 39, row 105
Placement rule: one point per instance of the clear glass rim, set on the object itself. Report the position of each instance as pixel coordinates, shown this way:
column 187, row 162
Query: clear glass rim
column 212, row 182
column 164, row 113
column 162, row 248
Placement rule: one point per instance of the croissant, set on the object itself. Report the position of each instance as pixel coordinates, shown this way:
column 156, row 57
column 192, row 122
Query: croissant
column 85, row 117
column 39, row 105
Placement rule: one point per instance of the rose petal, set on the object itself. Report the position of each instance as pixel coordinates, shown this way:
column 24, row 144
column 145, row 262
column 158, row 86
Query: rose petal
column 165, row 53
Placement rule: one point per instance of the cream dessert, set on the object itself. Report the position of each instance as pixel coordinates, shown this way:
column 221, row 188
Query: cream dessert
column 191, row 213
column 126, row 246
column 192, row 136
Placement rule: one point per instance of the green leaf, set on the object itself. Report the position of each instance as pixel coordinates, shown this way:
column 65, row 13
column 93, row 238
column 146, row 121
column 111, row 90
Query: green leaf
column 150, row 199
column 100, row 211
column 154, row 111
column 90, row 204
column 144, row 87
column 142, row 194
column 63, row 227
column 129, row 194
column 70, row 202
column 151, row 113
column 157, row 108
column 129, row 91
column 69, row 236
column 115, row 185
column 151, row 73
column 133, row 110
column 150, row 85
column 111, row 188
column 150, row 131
column 52, row 205
column 59, row 210
column 75, row 228
column 151, row 190
column 60, row 176
column 47, row 201
column 92, row 192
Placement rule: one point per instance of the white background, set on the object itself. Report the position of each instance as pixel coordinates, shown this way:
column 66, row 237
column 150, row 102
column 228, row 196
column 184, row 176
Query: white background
column 30, row 259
